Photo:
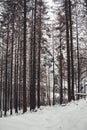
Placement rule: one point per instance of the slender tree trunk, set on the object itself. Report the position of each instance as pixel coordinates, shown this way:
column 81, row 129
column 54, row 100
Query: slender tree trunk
column 53, row 68
column 61, row 77
column 24, row 62
column 12, row 49
column 49, row 102
column 18, row 69
column 1, row 92
column 39, row 56
column 15, row 83
column 78, row 60
column 17, row 79
column 6, row 70
column 71, row 39
column 20, row 78
column 68, row 49
column 20, row 83
column 31, row 59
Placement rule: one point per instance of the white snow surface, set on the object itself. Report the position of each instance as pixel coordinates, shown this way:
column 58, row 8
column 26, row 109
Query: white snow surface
column 72, row 116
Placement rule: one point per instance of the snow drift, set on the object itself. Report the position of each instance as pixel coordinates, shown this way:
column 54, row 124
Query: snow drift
column 73, row 116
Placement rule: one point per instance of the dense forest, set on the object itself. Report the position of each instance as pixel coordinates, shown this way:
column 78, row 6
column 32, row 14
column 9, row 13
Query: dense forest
column 43, row 53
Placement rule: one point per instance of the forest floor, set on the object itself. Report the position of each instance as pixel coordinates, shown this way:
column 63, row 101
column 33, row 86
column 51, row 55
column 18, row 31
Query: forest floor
column 73, row 116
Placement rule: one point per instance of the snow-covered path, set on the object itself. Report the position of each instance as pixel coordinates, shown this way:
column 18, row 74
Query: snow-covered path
column 70, row 117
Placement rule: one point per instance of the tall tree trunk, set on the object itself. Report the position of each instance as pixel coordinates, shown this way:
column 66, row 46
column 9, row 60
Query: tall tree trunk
column 78, row 60
column 20, row 78
column 12, row 49
column 6, row 70
column 1, row 86
column 39, row 56
column 20, row 83
column 15, row 84
column 61, row 77
column 24, row 62
column 71, row 40
column 68, row 49
column 49, row 101
column 31, row 59
column 33, row 87
column 53, row 70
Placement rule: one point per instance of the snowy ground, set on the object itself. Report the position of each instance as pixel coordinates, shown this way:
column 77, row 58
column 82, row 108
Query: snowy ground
column 70, row 117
